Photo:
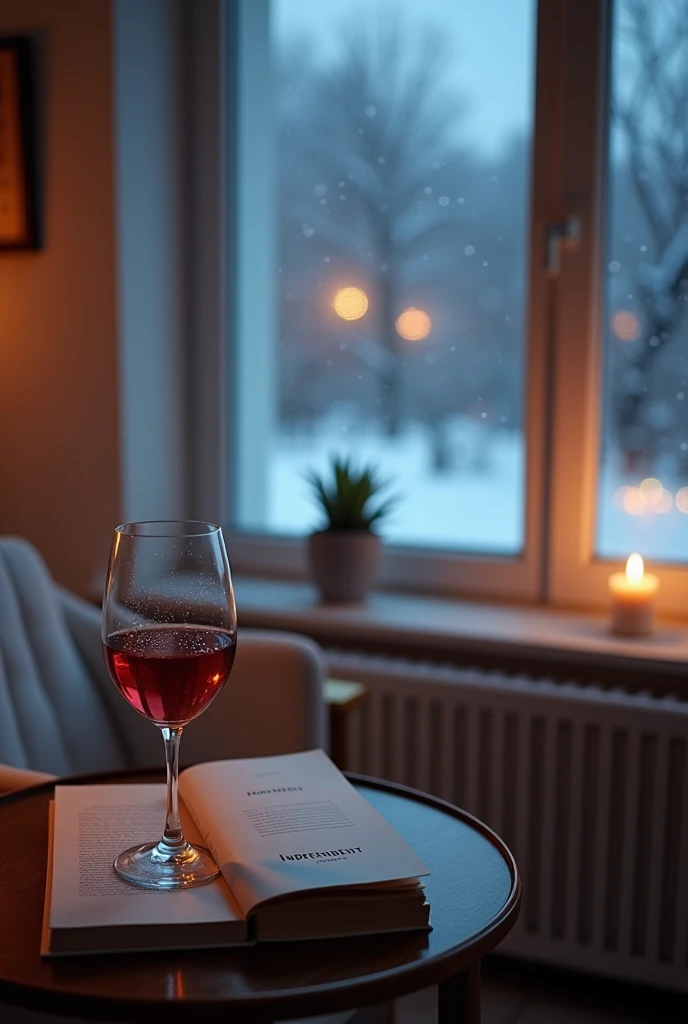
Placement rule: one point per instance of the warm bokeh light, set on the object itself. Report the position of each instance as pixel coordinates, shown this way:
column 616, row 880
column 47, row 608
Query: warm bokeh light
column 635, row 568
column 657, row 497
column 663, row 503
column 682, row 500
column 634, row 501
column 652, row 489
column 626, row 325
column 350, row 303
column 650, row 497
column 619, row 496
column 413, row 324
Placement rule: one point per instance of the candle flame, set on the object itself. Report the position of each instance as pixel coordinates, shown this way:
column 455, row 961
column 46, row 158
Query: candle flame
column 635, row 568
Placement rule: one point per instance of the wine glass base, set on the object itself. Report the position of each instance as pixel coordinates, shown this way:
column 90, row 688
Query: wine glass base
column 159, row 866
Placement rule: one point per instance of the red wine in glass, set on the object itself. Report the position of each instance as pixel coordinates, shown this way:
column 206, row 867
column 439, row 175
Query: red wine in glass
column 170, row 673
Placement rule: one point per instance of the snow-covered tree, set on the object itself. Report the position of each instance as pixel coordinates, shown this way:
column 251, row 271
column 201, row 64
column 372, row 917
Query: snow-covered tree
column 374, row 130
column 651, row 114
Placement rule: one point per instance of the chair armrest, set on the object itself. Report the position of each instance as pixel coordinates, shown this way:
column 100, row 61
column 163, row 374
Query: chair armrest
column 20, row 778
column 272, row 704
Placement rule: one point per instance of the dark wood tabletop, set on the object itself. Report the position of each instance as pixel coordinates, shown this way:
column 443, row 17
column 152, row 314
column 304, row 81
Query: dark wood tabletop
column 473, row 891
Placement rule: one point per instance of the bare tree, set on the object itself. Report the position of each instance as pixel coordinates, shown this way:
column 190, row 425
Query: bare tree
column 377, row 130
column 653, row 119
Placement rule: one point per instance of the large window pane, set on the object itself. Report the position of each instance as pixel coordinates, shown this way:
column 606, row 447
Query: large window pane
column 643, row 490
column 402, row 147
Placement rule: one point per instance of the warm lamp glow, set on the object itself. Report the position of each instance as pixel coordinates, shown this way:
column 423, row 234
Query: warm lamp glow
column 350, row 303
column 635, row 568
column 682, row 500
column 413, row 324
column 652, row 489
column 633, row 501
column 626, row 325
column 650, row 497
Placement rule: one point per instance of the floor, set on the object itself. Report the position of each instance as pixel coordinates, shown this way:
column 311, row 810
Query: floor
column 518, row 993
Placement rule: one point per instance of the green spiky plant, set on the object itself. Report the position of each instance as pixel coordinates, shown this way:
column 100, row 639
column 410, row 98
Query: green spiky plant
column 348, row 499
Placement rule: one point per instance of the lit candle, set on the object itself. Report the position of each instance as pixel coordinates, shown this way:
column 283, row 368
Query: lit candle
column 632, row 596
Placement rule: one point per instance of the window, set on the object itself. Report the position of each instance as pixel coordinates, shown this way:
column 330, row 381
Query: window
column 642, row 496
column 402, row 141
column 439, row 223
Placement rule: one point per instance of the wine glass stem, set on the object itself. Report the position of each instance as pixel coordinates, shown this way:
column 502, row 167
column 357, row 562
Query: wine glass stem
column 173, row 835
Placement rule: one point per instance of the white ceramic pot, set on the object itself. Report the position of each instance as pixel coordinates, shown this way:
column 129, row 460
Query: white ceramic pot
column 344, row 563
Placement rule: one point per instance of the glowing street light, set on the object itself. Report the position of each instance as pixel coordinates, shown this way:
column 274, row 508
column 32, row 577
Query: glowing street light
column 350, row 303
column 413, row 324
column 626, row 325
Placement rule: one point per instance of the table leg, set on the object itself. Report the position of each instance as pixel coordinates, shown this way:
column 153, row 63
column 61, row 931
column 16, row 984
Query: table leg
column 458, row 999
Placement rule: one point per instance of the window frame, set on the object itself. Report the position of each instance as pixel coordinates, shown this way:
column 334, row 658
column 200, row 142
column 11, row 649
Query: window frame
column 561, row 377
column 412, row 568
column 577, row 577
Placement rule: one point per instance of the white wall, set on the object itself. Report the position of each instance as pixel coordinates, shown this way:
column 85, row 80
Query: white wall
column 59, row 430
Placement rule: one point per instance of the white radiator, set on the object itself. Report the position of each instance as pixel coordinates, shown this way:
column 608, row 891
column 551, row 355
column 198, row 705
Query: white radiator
column 588, row 787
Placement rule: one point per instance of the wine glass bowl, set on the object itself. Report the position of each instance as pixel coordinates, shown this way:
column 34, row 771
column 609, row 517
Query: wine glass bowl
column 169, row 674
column 169, row 640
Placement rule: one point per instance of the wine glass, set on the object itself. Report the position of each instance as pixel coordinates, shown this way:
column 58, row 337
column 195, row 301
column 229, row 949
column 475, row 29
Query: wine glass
column 169, row 639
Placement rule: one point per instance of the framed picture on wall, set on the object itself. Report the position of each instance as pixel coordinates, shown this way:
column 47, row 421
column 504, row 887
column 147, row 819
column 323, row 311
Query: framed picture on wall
column 18, row 212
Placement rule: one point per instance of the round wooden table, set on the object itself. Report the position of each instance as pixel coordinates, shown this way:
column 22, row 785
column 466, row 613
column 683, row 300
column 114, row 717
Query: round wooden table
column 473, row 890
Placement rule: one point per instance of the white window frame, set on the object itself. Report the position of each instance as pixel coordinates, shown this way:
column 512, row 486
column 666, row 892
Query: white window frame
column 562, row 375
column 577, row 576
column 403, row 566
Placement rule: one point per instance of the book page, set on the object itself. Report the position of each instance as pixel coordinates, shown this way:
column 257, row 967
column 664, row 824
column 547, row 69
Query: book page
column 92, row 824
column 279, row 825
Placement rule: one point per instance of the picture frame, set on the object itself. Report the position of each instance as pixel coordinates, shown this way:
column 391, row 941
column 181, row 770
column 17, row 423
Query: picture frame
column 18, row 199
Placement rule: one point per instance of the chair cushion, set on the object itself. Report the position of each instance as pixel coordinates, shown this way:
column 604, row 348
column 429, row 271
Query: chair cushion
column 52, row 717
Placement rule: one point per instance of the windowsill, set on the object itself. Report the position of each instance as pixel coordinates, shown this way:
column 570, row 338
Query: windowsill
column 463, row 630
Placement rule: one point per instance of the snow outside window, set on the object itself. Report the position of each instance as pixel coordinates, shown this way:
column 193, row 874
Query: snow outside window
column 391, row 325
column 643, row 481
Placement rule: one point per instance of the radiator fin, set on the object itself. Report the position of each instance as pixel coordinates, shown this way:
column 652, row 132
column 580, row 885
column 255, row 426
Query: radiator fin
column 586, row 864
column 617, row 833
column 674, row 809
column 561, row 815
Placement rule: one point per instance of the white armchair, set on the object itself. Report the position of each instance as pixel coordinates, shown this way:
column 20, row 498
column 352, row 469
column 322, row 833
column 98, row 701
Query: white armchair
column 60, row 714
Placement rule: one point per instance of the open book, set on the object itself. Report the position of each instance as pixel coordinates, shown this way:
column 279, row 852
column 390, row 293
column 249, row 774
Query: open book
column 302, row 856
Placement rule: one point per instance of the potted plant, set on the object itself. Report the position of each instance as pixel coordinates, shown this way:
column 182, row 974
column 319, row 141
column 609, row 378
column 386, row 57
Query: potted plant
column 345, row 554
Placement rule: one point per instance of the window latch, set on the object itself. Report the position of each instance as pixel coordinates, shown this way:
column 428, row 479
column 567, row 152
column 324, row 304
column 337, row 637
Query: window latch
column 563, row 235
